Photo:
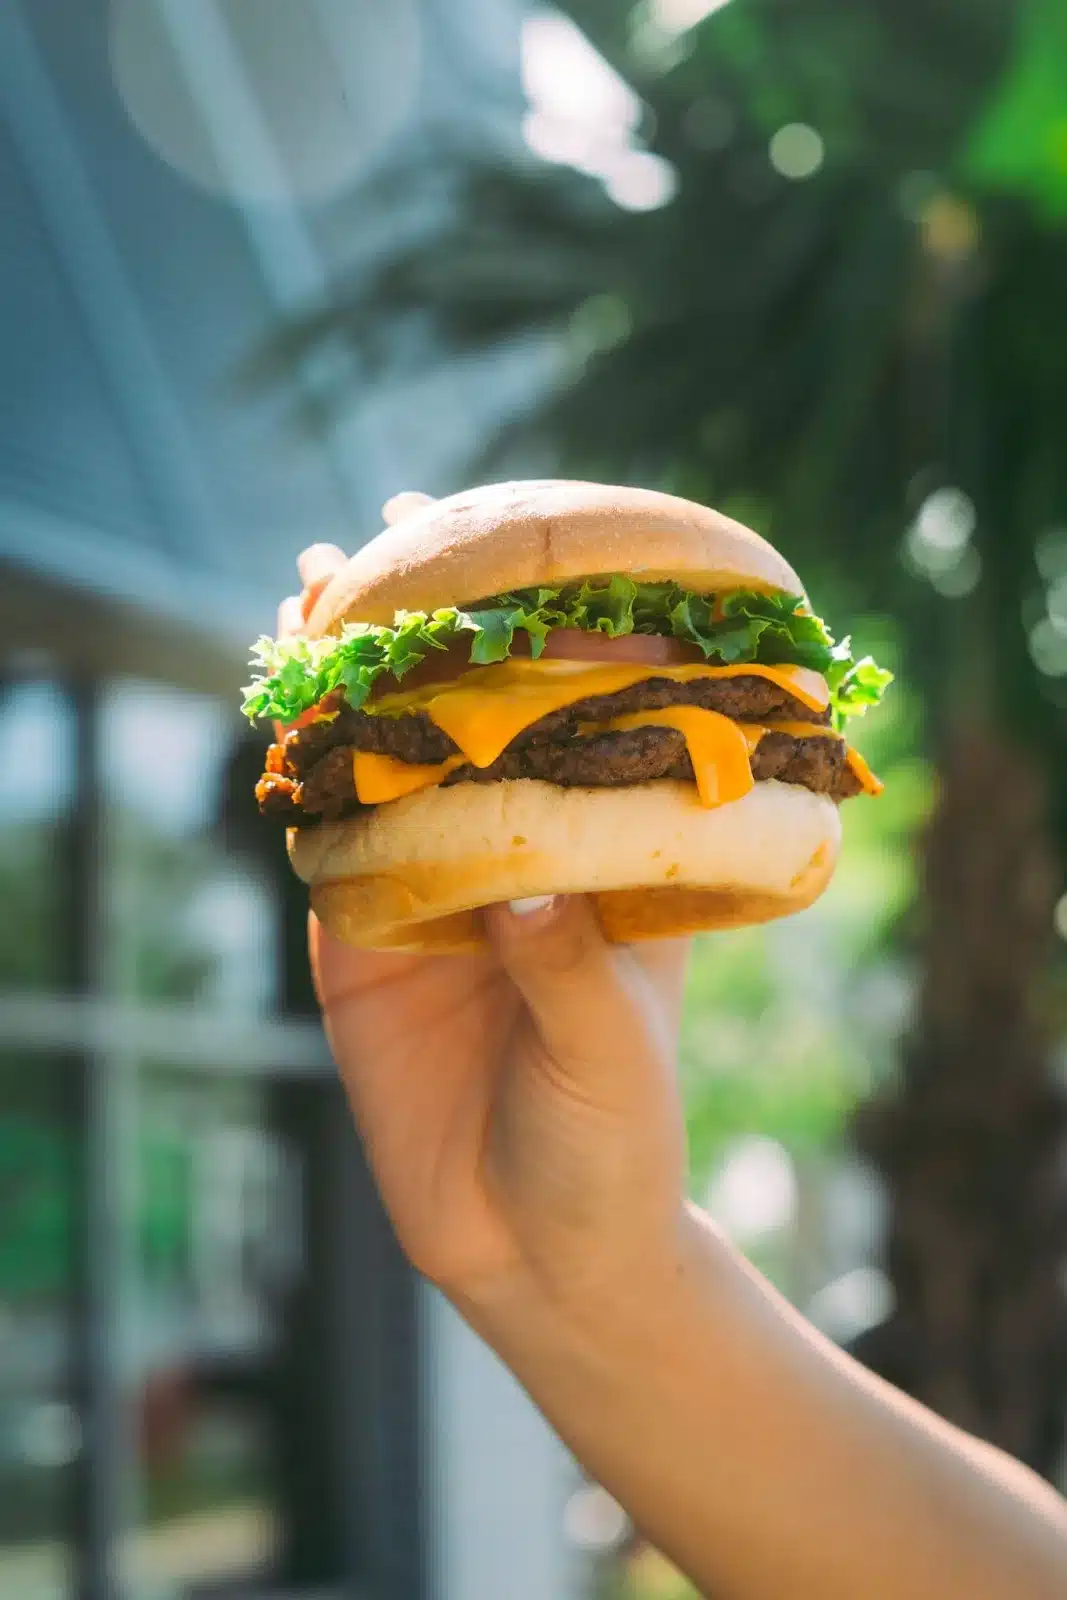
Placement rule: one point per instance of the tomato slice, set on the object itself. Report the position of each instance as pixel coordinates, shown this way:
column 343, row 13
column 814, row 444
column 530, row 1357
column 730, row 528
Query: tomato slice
column 305, row 717
column 572, row 644
column 563, row 644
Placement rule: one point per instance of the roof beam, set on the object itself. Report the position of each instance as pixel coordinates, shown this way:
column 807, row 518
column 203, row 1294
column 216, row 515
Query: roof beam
column 118, row 331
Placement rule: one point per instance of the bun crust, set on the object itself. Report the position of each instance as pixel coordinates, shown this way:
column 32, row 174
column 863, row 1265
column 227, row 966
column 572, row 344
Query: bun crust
column 412, row 875
column 544, row 531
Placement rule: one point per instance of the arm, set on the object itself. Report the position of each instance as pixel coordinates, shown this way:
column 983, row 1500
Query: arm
column 764, row 1461
column 520, row 1111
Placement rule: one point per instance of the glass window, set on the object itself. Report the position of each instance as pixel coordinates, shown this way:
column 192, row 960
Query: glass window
column 40, row 1432
column 239, row 1369
column 218, row 1241
column 188, row 923
column 37, row 736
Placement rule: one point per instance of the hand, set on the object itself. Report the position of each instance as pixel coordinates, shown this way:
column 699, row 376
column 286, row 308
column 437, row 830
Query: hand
column 520, row 1112
column 519, row 1107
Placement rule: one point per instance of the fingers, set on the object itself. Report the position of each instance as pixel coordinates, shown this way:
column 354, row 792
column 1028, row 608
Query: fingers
column 290, row 616
column 665, row 962
column 598, row 1012
column 317, row 565
column 404, row 505
column 340, row 973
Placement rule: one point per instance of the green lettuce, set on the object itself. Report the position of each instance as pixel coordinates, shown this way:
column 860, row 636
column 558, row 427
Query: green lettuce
column 775, row 629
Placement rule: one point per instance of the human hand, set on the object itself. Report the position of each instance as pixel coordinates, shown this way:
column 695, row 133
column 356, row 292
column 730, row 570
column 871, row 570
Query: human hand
column 520, row 1112
column 518, row 1107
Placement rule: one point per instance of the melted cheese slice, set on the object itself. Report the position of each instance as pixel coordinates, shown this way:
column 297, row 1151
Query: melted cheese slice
column 805, row 730
column 720, row 752
column 483, row 711
column 381, row 778
column 860, row 769
column 718, row 748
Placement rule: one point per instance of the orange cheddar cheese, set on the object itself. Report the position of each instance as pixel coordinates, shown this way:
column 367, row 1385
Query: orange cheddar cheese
column 487, row 708
column 718, row 748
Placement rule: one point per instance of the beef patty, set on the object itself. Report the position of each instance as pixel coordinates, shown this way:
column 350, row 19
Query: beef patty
column 639, row 755
column 413, row 737
column 309, row 778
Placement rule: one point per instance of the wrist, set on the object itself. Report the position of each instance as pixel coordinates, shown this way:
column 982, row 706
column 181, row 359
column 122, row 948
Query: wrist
column 611, row 1318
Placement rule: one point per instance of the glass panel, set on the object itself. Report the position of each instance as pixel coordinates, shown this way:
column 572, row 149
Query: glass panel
column 40, row 1435
column 188, row 922
column 35, row 795
column 219, row 1247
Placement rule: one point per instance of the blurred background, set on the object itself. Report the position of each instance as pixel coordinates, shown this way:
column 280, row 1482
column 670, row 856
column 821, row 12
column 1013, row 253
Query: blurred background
column 264, row 263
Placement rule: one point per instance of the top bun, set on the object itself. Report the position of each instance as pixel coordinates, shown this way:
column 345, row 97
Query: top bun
column 544, row 531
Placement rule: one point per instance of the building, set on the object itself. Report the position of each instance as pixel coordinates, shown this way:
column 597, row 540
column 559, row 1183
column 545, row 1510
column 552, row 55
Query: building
column 217, row 1375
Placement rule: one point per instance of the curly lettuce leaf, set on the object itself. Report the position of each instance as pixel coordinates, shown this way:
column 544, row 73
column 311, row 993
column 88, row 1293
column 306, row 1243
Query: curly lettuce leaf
column 774, row 629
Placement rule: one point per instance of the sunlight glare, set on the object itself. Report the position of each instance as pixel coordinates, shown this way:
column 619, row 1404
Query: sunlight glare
column 582, row 114
column 673, row 17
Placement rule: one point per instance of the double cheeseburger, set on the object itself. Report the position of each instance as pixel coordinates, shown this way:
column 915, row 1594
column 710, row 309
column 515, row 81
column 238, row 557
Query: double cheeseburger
column 557, row 687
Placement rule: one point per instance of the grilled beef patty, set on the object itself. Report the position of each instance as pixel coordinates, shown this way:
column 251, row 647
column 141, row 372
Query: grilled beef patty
column 309, row 778
column 413, row 737
column 328, row 792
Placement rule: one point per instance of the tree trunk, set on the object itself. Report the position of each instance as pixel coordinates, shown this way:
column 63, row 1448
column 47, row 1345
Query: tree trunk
column 973, row 1142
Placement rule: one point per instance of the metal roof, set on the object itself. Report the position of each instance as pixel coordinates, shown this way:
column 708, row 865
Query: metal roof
column 142, row 259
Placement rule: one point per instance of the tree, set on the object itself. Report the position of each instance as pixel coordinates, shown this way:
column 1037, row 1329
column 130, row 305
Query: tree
column 854, row 336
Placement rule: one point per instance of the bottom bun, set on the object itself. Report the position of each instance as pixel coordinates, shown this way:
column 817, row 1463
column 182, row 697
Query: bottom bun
column 414, row 873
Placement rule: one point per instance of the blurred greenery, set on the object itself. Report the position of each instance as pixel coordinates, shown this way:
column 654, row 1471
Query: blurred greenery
column 783, row 1031
column 163, row 951
column 863, row 359
column 38, row 1179
column 33, row 893
column 1020, row 145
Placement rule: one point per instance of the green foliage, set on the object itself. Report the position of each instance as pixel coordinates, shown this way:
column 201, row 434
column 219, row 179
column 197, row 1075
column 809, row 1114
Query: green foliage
column 825, row 352
column 787, row 1027
column 1020, row 144
column 36, row 1224
column 815, row 357
column 34, row 893
column 778, row 1038
column 774, row 629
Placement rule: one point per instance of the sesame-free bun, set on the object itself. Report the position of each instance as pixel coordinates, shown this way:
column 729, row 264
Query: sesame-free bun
column 411, row 875
column 542, row 531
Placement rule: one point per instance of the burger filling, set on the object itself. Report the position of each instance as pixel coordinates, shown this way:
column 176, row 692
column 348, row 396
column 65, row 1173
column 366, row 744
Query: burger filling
column 604, row 683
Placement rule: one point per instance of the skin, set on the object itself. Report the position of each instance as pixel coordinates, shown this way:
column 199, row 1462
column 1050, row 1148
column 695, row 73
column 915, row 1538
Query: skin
column 521, row 1114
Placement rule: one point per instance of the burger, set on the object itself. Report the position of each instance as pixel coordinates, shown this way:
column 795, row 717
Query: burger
column 559, row 687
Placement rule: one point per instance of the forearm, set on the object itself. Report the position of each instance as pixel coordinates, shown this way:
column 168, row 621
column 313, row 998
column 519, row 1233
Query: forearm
column 761, row 1459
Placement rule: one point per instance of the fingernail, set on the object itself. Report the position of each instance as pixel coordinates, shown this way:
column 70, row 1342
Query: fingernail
column 532, row 903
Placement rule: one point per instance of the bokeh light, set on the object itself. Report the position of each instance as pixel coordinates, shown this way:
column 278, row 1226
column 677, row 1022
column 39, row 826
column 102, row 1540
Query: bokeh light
column 797, row 151
column 938, row 545
column 245, row 100
column 593, row 1521
column 1050, row 554
column 755, row 1191
column 1048, row 648
column 659, row 30
column 678, row 16
column 950, row 228
column 852, row 1303
column 582, row 114
column 643, row 182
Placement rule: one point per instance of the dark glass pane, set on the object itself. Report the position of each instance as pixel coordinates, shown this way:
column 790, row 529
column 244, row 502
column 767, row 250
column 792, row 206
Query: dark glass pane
column 37, row 780
column 218, row 1242
column 40, row 1429
column 187, row 921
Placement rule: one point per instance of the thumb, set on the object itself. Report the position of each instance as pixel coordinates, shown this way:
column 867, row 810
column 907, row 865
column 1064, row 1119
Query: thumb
column 594, row 1007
